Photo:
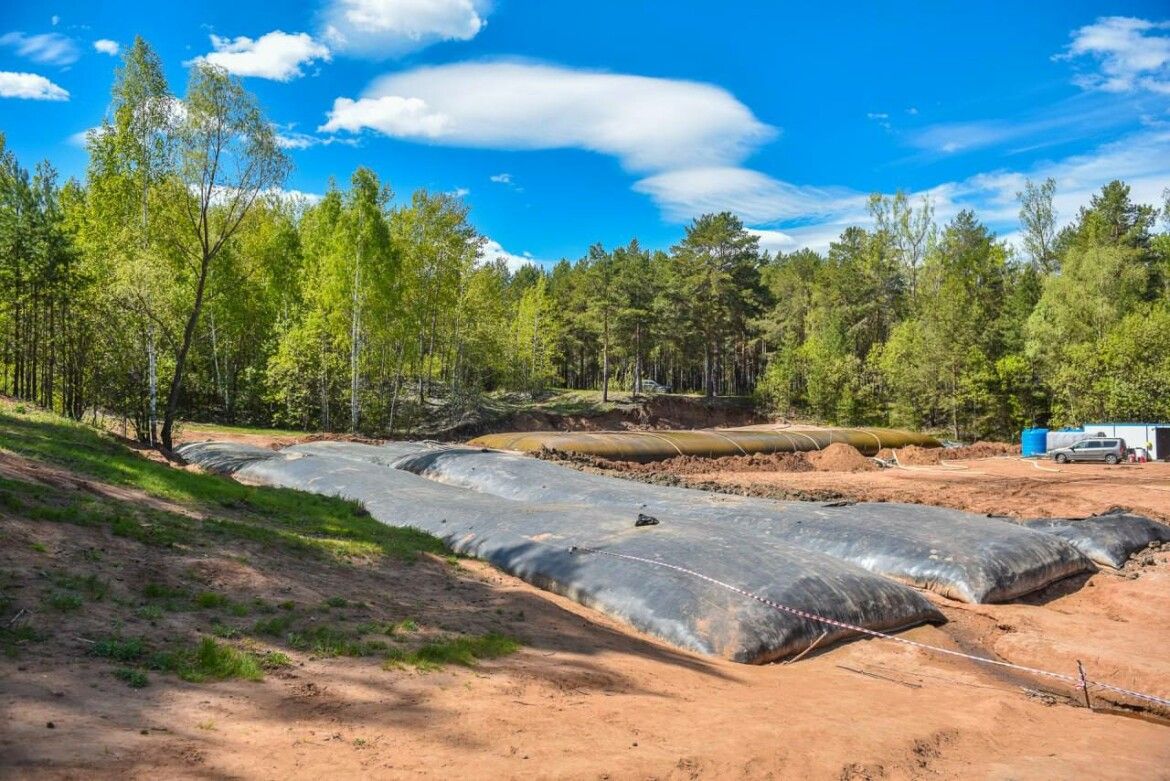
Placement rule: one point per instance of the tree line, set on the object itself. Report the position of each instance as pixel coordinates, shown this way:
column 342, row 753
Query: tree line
column 179, row 282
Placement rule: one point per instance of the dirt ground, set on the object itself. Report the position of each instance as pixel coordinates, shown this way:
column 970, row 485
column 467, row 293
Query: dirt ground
column 586, row 697
column 1004, row 485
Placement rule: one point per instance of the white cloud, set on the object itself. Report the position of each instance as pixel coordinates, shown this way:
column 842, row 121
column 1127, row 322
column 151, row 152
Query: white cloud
column 390, row 115
column 1131, row 54
column 649, row 124
column 492, row 251
column 814, row 217
column 379, row 29
column 29, row 86
column 753, row 196
column 276, row 55
column 106, row 46
column 459, row 192
column 1069, row 120
column 504, row 178
column 288, row 138
column 55, row 19
column 81, row 137
column 49, row 48
column 774, row 241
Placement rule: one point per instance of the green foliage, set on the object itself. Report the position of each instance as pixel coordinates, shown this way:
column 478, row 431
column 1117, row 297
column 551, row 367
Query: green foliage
column 464, row 650
column 64, row 601
column 315, row 525
column 135, row 679
column 120, row 650
column 211, row 660
column 173, row 285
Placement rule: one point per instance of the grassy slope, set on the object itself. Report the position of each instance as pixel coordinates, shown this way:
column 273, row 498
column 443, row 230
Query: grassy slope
column 167, row 618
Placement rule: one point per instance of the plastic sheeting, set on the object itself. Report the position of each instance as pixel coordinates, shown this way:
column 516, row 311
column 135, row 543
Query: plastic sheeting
column 963, row 556
column 533, row 540
column 223, row 458
column 1108, row 539
column 647, row 446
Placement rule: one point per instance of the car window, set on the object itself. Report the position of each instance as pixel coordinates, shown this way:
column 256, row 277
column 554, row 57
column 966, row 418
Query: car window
column 1111, row 443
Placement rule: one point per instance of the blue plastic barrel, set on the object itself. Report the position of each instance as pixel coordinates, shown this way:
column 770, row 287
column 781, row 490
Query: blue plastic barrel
column 1034, row 442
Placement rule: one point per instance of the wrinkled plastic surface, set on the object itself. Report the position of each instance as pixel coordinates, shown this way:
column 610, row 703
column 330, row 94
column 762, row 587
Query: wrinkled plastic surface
column 967, row 557
column 223, row 458
column 534, row 541
column 647, row 446
column 1108, row 539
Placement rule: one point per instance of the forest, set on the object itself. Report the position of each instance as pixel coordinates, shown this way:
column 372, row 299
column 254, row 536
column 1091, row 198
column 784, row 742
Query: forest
column 179, row 281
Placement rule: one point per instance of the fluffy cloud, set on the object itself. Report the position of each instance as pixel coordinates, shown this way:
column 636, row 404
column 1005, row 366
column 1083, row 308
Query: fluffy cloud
column 774, row 241
column 649, row 124
column 106, row 46
column 390, row 114
column 288, row 138
column 814, row 217
column 492, row 251
column 1131, row 54
column 504, row 178
column 276, row 55
column 379, row 29
column 49, row 48
column 753, row 196
column 29, row 86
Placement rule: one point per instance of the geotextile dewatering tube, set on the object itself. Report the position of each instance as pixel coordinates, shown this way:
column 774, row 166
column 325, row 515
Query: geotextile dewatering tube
column 646, row 446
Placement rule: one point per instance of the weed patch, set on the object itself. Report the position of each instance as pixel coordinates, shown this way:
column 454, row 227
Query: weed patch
column 464, row 650
column 210, row 661
column 135, row 679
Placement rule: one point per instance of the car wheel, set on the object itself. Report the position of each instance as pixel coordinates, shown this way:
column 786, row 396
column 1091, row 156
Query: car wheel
column 1111, row 459
column 1061, row 458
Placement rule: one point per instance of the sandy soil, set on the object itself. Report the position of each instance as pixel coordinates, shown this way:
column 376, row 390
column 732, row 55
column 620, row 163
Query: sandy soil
column 1000, row 486
column 587, row 697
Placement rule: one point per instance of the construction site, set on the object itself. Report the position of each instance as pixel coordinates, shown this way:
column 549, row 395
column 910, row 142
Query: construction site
column 904, row 609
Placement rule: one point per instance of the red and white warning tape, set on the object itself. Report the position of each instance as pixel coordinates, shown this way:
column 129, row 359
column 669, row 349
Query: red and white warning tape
column 1075, row 680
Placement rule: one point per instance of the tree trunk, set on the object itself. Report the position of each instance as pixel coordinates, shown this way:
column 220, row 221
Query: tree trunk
column 638, row 358
column 605, row 359
column 354, row 343
column 181, row 357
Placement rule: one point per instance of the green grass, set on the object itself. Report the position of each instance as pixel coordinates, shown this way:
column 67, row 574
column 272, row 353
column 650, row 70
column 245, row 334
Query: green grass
column 149, row 612
column 65, row 601
column 135, row 679
column 94, row 587
column 277, row 626
column 465, row 650
column 120, row 650
column 211, row 660
column 163, row 591
column 330, row 641
column 308, row 523
column 210, row 429
column 15, row 638
column 209, row 599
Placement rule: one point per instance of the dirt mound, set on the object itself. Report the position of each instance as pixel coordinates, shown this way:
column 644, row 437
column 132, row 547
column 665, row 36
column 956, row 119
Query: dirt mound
column 690, row 465
column 839, row 457
column 923, row 456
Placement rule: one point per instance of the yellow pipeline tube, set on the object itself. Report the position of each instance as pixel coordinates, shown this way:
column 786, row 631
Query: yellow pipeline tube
column 709, row 443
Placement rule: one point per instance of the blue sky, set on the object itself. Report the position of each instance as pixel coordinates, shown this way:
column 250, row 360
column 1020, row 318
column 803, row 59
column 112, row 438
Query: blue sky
column 563, row 124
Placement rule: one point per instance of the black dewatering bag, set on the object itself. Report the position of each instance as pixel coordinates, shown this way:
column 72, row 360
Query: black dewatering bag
column 223, row 458
column 536, row 541
column 961, row 555
column 1108, row 539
